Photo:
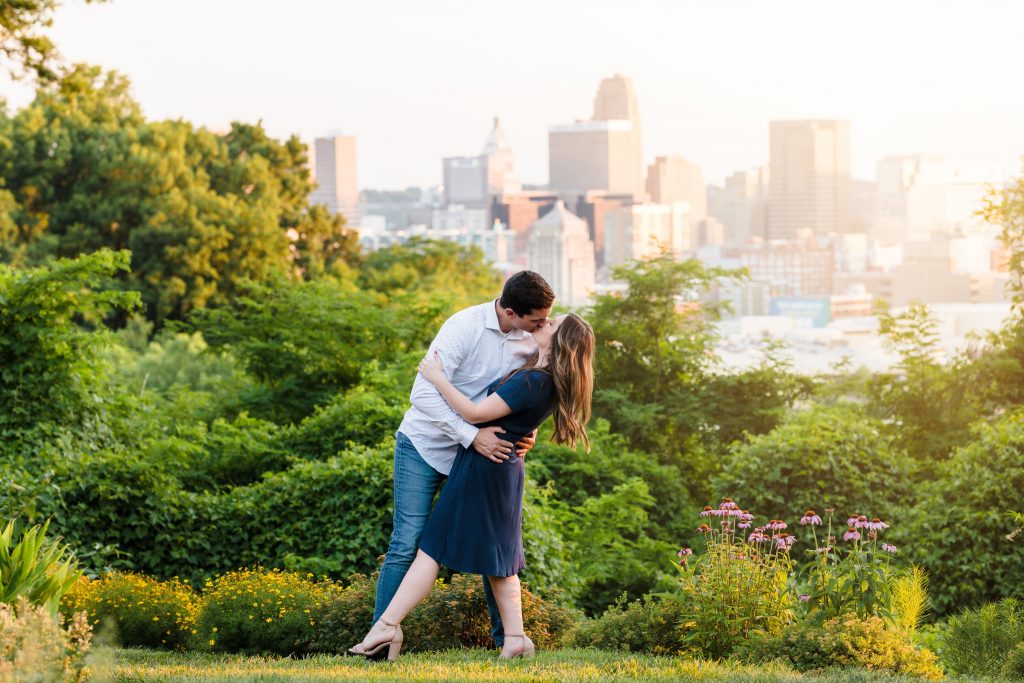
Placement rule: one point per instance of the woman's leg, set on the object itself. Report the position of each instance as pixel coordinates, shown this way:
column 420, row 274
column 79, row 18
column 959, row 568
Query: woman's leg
column 510, row 603
column 416, row 585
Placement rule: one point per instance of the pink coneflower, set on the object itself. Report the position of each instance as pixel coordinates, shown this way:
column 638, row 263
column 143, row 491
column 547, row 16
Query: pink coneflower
column 746, row 516
column 728, row 504
column 707, row 511
column 757, row 536
column 703, row 529
column 743, row 525
column 876, row 524
column 805, row 598
column 862, row 522
column 784, row 541
column 851, row 535
column 810, row 517
column 776, row 525
column 823, row 549
column 889, row 548
column 853, row 519
column 684, row 551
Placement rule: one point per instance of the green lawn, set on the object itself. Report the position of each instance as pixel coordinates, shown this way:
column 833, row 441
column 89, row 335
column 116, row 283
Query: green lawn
column 146, row 666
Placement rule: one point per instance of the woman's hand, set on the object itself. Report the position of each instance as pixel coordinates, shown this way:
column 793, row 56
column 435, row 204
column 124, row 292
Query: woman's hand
column 431, row 368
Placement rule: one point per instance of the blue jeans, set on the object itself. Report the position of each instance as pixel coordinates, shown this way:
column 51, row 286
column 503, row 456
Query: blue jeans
column 416, row 484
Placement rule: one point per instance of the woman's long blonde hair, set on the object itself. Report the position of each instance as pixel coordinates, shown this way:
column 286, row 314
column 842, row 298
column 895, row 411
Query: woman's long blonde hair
column 571, row 364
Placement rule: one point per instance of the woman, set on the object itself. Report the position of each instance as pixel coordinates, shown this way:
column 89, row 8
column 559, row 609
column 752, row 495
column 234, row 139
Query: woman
column 476, row 526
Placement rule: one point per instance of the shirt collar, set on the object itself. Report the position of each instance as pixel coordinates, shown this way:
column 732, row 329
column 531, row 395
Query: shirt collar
column 491, row 322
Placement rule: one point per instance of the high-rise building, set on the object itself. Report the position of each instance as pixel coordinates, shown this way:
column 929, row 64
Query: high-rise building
column 561, row 251
column 673, row 179
column 644, row 231
column 742, row 205
column 334, row 170
column 792, row 268
column 473, row 181
column 518, row 212
column 593, row 208
column 911, row 198
column 616, row 101
column 592, row 155
column 810, row 178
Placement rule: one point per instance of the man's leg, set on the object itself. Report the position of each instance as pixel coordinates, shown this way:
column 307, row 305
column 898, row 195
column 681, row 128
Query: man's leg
column 497, row 628
column 416, row 484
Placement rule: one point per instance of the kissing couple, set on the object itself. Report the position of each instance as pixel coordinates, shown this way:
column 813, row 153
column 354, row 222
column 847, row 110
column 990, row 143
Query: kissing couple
column 498, row 368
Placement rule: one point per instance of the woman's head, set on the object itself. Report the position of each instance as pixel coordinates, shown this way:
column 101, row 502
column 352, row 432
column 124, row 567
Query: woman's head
column 569, row 344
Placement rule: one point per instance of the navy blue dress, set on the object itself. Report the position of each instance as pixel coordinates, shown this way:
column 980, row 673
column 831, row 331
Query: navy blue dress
column 476, row 526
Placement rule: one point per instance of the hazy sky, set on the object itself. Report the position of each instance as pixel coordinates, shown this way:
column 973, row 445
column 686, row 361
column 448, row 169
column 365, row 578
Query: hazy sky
column 416, row 81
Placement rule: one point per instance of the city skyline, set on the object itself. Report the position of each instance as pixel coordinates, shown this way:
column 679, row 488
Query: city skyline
column 911, row 77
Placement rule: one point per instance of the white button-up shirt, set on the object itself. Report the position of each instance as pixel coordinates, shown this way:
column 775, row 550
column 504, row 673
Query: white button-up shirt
column 474, row 352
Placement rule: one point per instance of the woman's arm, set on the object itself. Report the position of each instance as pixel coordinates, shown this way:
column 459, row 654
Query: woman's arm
column 491, row 408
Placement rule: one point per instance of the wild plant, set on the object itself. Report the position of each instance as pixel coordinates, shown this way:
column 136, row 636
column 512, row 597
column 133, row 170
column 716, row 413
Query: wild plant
column 39, row 569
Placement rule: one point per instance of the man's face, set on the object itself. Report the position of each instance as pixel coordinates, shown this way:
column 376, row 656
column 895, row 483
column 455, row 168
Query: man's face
column 530, row 322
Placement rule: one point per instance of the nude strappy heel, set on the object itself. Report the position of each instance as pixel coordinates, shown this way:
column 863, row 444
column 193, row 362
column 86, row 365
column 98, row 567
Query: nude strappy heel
column 528, row 649
column 394, row 645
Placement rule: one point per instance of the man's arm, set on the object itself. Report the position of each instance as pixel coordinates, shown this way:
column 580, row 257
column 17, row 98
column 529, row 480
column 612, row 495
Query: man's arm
column 452, row 344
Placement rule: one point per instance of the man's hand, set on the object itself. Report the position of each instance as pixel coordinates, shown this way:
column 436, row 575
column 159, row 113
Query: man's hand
column 525, row 444
column 490, row 446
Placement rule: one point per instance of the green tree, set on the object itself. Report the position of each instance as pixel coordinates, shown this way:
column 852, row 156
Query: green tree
column 83, row 169
column 23, row 41
column 49, row 357
column 654, row 350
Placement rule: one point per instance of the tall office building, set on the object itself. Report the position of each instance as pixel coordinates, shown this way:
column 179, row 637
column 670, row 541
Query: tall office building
column 911, row 198
column 616, row 101
column 810, row 178
column 561, row 251
column 473, row 181
column 742, row 206
column 592, row 155
column 334, row 170
column 594, row 208
column 644, row 231
column 673, row 179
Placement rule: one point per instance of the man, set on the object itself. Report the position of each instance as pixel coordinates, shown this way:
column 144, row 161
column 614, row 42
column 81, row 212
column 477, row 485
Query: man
column 477, row 346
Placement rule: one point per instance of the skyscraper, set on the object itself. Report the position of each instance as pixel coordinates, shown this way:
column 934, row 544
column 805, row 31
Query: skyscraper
column 592, row 155
column 742, row 205
column 810, row 178
column 334, row 170
column 472, row 181
column 603, row 153
column 911, row 198
column 674, row 179
column 561, row 251
column 616, row 100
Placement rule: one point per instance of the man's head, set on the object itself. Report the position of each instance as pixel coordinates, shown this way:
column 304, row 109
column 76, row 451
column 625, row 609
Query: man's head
column 526, row 300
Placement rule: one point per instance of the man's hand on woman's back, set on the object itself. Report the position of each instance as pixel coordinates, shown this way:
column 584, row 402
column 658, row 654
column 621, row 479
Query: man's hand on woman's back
column 490, row 446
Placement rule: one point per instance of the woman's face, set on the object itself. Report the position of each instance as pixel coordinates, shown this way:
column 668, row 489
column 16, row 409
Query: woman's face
column 546, row 332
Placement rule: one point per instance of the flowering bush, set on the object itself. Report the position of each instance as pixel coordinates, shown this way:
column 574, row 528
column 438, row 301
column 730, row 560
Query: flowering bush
column 260, row 610
column 740, row 584
column 144, row 611
column 846, row 641
column 853, row 576
column 34, row 645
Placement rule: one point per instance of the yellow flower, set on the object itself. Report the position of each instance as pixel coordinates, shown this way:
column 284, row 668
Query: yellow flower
column 211, row 641
column 269, row 620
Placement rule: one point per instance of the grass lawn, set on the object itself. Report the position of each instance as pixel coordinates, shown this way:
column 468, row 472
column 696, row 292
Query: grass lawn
column 147, row 666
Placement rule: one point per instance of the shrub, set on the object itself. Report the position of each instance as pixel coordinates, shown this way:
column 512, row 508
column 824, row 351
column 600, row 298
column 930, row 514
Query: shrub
column 39, row 569
column 144, row 611
column 260, row 611
column 842, row 642
column 740, row 585
column 35, row 646
column 833, row 457
column 978, row 641
column 963, row 534
column 454, row 615
column 1013, row 667
column 651, row 625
